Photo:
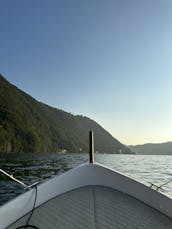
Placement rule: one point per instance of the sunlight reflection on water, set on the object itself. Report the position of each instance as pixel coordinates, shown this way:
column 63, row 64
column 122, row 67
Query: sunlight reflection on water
column 31, row 168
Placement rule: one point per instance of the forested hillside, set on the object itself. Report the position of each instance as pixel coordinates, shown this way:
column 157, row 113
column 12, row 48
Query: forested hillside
column 153, row 148
column 27, row 125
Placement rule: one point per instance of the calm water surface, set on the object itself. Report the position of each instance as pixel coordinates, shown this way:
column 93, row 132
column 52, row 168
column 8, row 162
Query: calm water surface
column 31, row 168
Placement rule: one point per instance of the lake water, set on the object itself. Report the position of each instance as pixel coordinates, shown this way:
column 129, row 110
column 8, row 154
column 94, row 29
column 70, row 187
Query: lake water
column 31, row 168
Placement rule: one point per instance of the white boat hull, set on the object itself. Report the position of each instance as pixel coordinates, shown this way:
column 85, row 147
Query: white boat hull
column 86, row 175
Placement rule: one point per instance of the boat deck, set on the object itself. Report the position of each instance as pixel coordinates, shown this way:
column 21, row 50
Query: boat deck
column 95, row 207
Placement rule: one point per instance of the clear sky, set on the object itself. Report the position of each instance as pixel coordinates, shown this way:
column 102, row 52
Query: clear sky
column 110, row 60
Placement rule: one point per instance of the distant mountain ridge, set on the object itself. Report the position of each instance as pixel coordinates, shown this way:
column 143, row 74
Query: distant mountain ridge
column 27, row 125
column 153, row 148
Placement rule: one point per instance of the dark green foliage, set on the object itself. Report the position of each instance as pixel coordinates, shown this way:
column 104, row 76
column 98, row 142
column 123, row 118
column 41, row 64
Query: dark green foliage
column 27, row 125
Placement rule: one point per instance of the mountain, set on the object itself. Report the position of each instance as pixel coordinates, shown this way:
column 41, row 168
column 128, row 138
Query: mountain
column 27, row 125
column 153, row 149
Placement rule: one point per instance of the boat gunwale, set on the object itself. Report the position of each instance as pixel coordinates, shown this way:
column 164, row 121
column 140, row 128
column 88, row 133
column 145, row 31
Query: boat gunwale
column 84, row 175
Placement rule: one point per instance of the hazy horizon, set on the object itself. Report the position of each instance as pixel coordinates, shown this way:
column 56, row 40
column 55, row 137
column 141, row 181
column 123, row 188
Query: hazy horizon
column 107, row 60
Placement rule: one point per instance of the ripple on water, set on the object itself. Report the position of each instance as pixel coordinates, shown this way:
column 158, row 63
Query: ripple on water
column 31, row 168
